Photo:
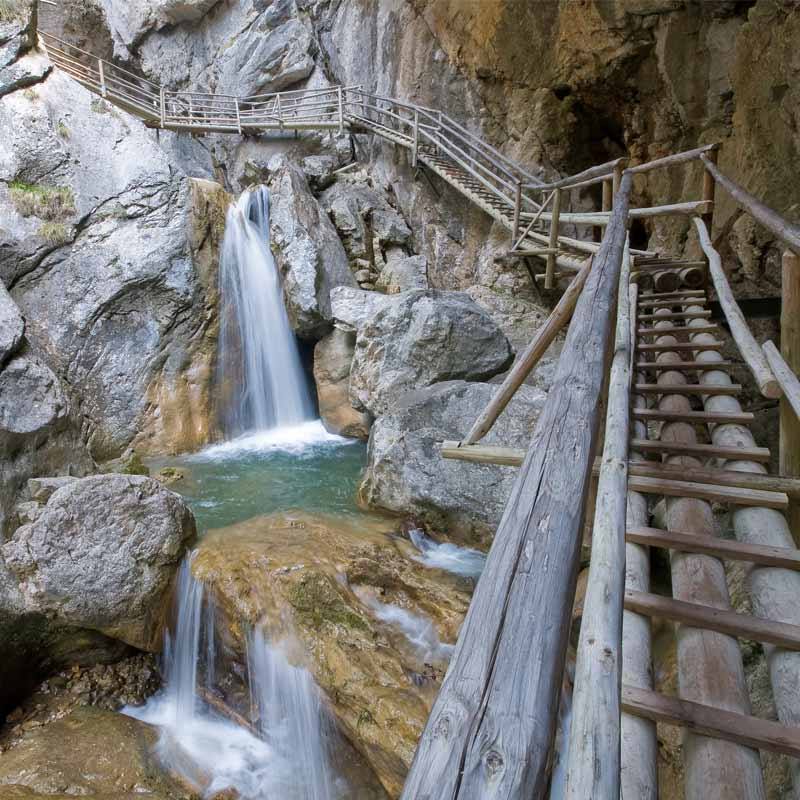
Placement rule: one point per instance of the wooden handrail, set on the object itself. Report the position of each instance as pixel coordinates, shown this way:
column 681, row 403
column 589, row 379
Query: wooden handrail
column 781, row 228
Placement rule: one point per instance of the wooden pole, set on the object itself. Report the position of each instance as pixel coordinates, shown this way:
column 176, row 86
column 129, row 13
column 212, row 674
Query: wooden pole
column 415, row 145
column 789, row 450
column 710, row 668
column 101, row 70
column 549, row 281
column 163, row 102
column 491, row 729
column 341, row 111
column 745, row 341
column 517, row 210
column 774, row 591
column 594, row 744
column 523, row 366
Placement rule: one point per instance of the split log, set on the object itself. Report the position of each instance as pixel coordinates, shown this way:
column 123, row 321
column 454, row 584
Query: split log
column 491, row 729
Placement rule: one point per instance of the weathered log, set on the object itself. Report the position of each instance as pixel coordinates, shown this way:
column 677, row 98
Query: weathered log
column 740, row 330
column 491, row 729
column 558, row 318
column 669, row 161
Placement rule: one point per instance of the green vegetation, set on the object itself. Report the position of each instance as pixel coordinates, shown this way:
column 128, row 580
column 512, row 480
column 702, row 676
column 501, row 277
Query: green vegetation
column 317, row 601
column 62, row 130
column 51, row 203
column 134, row 466
column 30, row 94
column 55, row 232
column 13, row 10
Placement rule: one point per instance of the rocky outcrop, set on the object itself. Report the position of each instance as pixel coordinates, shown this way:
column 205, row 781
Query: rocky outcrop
column 324, row 581
column 422, row 338
column 406, row 473
column 12, row 326
column 110, row 255
column 19, row 67
column 309, row 254
column 333, row 357
column 89, row 573
column 88, row 752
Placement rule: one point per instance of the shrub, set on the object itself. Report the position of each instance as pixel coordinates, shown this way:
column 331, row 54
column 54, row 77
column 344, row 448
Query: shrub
column 54, row 232
column 51, row 203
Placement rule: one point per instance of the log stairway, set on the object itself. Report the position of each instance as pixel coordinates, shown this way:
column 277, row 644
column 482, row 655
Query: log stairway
column 643, row 437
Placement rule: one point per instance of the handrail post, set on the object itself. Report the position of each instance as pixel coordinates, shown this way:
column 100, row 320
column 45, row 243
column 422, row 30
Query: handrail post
column 415, row 146
column 238, row 117
column 278, row 110
column 517, row 211
column 163, row 99
column 549, row 277
column 790, row 350
column 101, row 70
column 341, row 111
column 709, row 190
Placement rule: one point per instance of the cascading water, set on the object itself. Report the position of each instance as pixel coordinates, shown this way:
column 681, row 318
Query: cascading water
column 287, row 750
column 260, row 375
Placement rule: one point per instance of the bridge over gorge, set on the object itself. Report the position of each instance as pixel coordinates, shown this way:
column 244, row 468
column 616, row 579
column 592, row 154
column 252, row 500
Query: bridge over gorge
column 642, row 435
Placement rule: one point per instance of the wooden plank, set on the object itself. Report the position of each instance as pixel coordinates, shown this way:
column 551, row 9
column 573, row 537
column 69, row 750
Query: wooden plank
column 676, row 329
column 712, row 493
column 743, row 626
column 675, row 315
column 706, row 720
column 701, row 450
column 739, row 328
column 699, row 301
column 593, row 765
column 491, row 729
column 673, row 159
column 682, row 293
column 524, row 365
column 699, row 417
column 686, row 366
column 789, row 384
column 678, row 347
column 687, row 388
column 483, row 454
column 781, row 557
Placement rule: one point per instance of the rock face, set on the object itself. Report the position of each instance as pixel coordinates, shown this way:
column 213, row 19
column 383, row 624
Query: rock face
column 310, row 255
column 406, row 473
column 333, row 357
column 110, row 254
column 88, row 574
column 89, row 752
column 423, row 338
column 19, row 68
column 320, row 579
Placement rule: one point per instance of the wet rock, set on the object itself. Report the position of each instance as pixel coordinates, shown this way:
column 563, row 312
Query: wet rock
column 90, row 752
column 406, row 473
column 101, row 556
column 307, row 249
column 422, row 338
column 303, row 575
column 333, row 356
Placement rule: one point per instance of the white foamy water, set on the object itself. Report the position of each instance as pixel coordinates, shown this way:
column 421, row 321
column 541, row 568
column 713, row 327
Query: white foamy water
column 420, row 631
column 287, row 752
column 293, row 439
column 462, row 561
column 260, row 375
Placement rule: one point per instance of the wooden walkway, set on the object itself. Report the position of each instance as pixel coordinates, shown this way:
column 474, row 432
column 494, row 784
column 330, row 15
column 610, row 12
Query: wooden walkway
column 642, row 437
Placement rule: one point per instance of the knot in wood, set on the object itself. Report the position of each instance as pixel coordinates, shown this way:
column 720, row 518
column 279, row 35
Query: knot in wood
column 494, row 762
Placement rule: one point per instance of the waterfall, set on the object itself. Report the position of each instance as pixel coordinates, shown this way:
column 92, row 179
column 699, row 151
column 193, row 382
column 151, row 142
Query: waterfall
column 287, row 750
column 260, row 376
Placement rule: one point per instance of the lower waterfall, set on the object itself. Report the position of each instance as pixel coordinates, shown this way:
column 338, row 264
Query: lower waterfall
column 260, row 376
column 286, row 749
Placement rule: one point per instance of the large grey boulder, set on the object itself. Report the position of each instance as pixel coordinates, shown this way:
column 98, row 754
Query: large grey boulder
column 352, row 308
column 101, row 555
column 310, row 255
column 31, row 397
column 422, row 338
column 407, row 475
column 12, row 326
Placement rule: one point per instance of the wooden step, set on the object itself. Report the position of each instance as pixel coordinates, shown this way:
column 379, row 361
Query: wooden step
column 783, row 557
column 673, row 329
column 700, row 301
column 686, row 388
column 670, row 295
column 717, row 723
column 657, row 415
column 679, row 346
column 683, row 366
column 713, row 493
column 715, row 476
column 701, row 450
column 673, row 315
column 743, row 626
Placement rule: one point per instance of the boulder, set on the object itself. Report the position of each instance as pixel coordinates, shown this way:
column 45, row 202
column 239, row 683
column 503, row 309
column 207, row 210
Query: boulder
column 101, row 556
column 352, row 308
column 19, row 68
column 333, row 356
column 422, row 338
column 12, row 326
column 88, row 752
column 31, row 397
column 402, row 273
column 405, row 471
column 327, row 582
column 308, row 251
